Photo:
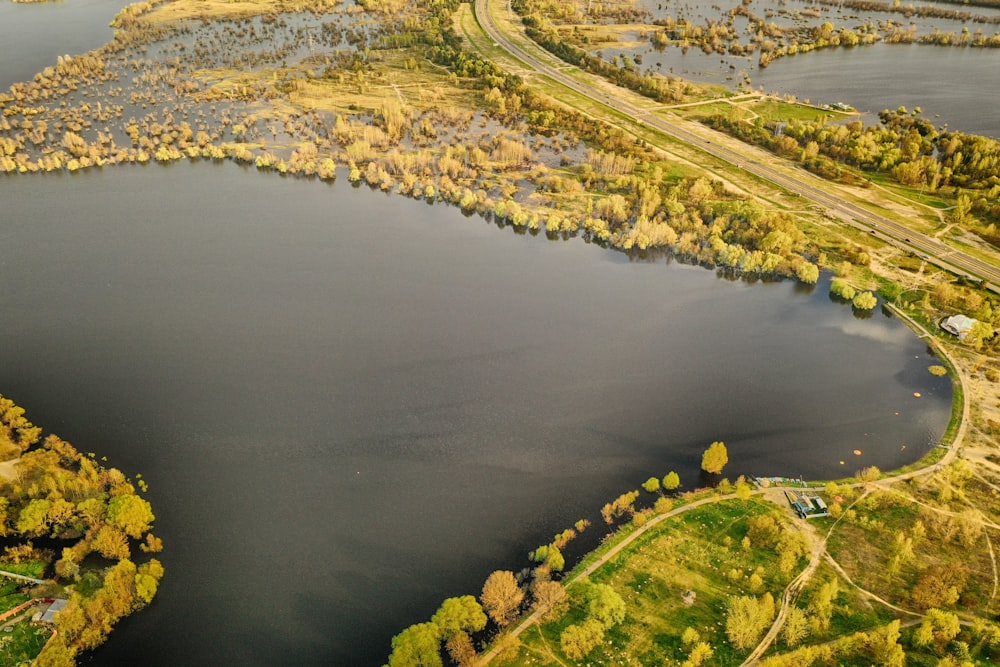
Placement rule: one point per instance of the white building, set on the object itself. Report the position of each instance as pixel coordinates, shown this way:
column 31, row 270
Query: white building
column 959, row 325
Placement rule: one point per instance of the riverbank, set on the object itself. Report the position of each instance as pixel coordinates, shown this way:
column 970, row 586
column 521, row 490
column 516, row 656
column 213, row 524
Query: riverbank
column 670, row 586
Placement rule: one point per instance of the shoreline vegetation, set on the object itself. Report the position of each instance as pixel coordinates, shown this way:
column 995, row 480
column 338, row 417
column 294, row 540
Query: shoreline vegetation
column 79, row 536
column 409, row 98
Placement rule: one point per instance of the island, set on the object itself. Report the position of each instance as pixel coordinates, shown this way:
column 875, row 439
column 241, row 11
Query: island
column 77, row 546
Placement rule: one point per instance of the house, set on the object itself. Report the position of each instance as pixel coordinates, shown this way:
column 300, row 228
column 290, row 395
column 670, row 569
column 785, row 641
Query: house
column 807, row 507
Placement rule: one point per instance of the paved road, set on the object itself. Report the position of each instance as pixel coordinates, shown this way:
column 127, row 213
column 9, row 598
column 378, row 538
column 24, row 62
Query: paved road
column 801, row 183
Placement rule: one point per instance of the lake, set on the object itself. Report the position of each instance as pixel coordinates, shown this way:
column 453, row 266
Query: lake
column 947, row 83
column 349, row 406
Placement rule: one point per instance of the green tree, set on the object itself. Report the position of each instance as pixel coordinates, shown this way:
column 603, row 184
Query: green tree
column 937, row 628
column 501, row 597
column 842, row 289
column 821, row 604
column 578, row 640
column 651, row 485
column 131, row 514
column 459, row 614
column 882, row 646
column 555, row 560
column 796, row 626
column 605, row 605
column 417, row 646
column 746, row 619
column 671, row 481
column 963, row 207
column 33, row 518
column 145, row 587
column 715, row 458
column 807, row 272
column 701, row 652
column 865, row 301
column 743, row 490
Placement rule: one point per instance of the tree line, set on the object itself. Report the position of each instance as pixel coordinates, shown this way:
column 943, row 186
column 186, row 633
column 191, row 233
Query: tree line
column 506, row 595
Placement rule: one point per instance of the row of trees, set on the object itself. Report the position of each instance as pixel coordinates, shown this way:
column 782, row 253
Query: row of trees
column 505, row 595
column 962, row 167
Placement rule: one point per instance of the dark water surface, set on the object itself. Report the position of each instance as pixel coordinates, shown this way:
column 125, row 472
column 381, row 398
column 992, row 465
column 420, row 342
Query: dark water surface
column 349, row 406
column 946, row 83
column 33, row 35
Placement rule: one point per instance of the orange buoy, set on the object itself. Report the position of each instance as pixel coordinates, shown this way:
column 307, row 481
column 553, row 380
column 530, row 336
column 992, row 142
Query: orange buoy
column 917, row 394
column 857, row 452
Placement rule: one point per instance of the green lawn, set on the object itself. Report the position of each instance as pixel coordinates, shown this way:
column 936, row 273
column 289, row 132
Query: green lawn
column 700, row 551
column 23, row 643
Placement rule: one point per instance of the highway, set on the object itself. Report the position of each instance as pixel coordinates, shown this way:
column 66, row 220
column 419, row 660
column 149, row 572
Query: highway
column 804, row 184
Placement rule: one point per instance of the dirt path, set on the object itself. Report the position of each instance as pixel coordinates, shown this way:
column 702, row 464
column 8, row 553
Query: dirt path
column 8, row 469
column 536, row 615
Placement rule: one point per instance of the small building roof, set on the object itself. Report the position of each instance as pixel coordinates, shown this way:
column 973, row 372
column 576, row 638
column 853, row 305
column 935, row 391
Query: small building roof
column 960, row 325
column 50, row 614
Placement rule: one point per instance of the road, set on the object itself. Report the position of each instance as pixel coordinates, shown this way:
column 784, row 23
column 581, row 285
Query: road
column 803, row 183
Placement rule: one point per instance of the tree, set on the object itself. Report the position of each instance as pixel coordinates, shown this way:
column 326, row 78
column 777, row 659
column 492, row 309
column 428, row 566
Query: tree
column 701, row 652
column 33, row 519
column 869, row 474
column 715, row 458
column 459, row 614
column 417, row 646
column 57, row 653
column 746, row 619
column 461, row 649
column 970, row 527
column 671, row 481
column 939, row 586
column 882, row 646
column 663, row 505
column 821, row 604
column 864, row 301
column 807, row 272
column 579, row 640
column 548, row 594
column 842, row 289
column 963, row 206
column 605, row 605
column 796, row 626
column 110, row 543
column 131, row 514
column 651, row 485
column 501, row 597
column 938, row 628
column 690, row 636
